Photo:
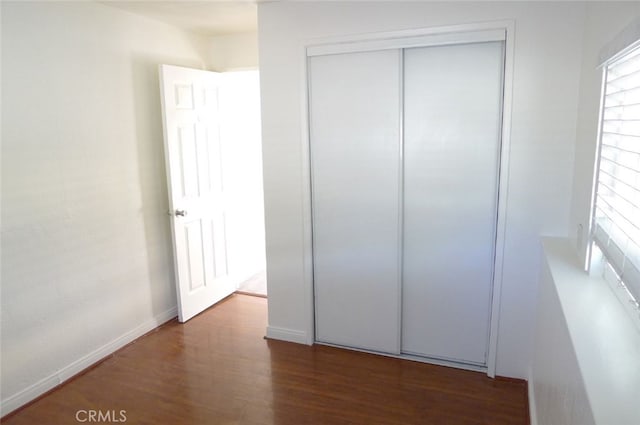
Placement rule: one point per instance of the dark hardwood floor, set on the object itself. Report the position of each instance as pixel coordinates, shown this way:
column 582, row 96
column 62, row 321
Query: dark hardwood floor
column 218, row 369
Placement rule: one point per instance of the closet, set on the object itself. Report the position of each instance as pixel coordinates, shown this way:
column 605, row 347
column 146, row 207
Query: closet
column 405, row 143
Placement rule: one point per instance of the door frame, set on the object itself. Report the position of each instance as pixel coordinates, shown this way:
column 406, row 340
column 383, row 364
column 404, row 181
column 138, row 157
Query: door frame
column 439, row 35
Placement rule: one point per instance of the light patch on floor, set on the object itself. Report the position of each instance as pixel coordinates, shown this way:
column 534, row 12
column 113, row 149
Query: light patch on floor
column 256, row 284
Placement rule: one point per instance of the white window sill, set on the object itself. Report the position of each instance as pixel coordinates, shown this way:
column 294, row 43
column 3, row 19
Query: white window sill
column 605, row 339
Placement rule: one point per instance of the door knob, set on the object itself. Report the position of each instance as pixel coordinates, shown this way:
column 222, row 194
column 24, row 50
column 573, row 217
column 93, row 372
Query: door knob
column 180, row 213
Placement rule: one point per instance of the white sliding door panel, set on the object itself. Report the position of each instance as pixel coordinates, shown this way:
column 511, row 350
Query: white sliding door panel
column 355, row 162
column 452, row 122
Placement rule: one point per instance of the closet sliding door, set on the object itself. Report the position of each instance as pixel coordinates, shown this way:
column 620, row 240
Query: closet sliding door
column 452, row 127
column 354, row 113
column 405, row 142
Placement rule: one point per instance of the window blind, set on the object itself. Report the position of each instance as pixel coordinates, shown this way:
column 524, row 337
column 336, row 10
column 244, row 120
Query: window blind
column 617, row 204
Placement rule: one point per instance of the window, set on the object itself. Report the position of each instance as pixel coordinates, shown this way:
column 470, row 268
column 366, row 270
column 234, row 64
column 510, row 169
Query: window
column 616, row 218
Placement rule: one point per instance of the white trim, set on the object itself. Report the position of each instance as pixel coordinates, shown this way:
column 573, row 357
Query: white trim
column 503, row 194
column 595, row 175
column 407, row 42
column 289, row 335
column 33, row 391
column 533, row 413
column 401, row 173
column 411, row 33
column 507, row 29
column 307, row 219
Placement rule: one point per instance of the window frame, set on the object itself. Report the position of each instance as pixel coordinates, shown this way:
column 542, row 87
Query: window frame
column 596, row 260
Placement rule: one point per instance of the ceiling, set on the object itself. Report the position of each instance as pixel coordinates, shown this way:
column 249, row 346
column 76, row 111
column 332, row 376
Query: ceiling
column 210, row 18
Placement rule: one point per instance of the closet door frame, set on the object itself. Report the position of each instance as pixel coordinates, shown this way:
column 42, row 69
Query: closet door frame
column 433, row 36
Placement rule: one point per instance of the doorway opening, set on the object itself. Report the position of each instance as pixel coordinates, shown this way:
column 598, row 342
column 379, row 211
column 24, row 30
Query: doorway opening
column 241, row 139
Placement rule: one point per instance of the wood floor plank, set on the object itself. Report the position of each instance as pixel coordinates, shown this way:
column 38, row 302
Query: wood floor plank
column 218, row 369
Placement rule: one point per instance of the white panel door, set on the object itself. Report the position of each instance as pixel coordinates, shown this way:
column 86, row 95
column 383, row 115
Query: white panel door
column 196, row 191
column 355, row 163
column 452, row 116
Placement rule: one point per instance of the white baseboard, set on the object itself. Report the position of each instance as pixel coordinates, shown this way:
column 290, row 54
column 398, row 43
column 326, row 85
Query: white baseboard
column 533, row 413
column 284, row 334
column 35, row 390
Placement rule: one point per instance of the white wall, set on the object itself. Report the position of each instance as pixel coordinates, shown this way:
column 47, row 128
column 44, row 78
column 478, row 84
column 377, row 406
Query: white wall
column 547, row 65
column 233, row 52
column 604, row 21
column 86, row 248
